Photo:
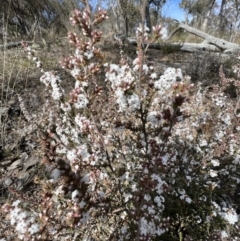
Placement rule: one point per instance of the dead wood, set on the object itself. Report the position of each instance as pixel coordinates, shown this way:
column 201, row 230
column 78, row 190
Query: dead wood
column 186, row 47
column 13, row 45
column 210, row 43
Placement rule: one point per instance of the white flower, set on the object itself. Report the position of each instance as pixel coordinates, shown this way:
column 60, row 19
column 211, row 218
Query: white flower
column 121, row 99
column 154, row 117
column 127, row 196
column 147, row 197
column 75, row 72
column 38, row 63
column 237, row 160
column 56, row 93
column 82, row 102
column 153, row 76
column 217, row 207
column 124, row 229
column 190, row 137
column 21, row 226
column 151, row 210
column 83, row 123
column 226, row 119
column 203, row 143
column 159, row 201
column 168, row 78
column 188, row 199
column 144, row 226
column 213, row 173
column 66, row 107
column 34, row 228
column 133, row 102
column 230, row 215
column 15, row 203
column 123, row 215
column 23, row 221
column 219, row 100
column 219, row 135
column 89, row 54
column 145, row 69
column 83, row 152
column 215, row 163
column 224, row 234
column 72, row 155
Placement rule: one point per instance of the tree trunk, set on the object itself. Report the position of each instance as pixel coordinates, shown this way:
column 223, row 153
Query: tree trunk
column 148, row 17
column 207, row 16
column 222, row 21
column 118, row 17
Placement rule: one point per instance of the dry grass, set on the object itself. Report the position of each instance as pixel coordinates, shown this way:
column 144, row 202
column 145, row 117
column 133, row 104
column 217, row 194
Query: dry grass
column 18, row 75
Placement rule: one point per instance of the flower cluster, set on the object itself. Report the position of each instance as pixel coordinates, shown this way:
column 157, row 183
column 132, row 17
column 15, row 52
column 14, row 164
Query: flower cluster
column 25, row 223
column 123, row 82
column 141, row 157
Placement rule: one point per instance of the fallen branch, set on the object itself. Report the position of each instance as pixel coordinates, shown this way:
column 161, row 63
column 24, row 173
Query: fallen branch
column 13, row 45
column 186, row 47
column 222, row 44
column 210, row 43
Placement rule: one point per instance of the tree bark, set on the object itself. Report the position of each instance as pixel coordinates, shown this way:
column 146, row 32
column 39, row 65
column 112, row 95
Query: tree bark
column 222, row 21
column 207, row 16
column 147, row 17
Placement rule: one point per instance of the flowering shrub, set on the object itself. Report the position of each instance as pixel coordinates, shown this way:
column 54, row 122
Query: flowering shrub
column 141, row 157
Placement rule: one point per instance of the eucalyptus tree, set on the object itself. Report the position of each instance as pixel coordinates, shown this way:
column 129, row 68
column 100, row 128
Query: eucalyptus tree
column 28, row 15
column 128, row 13
column 157, row 6
column 201, row 10
column 229, row 18
column 221, row 17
